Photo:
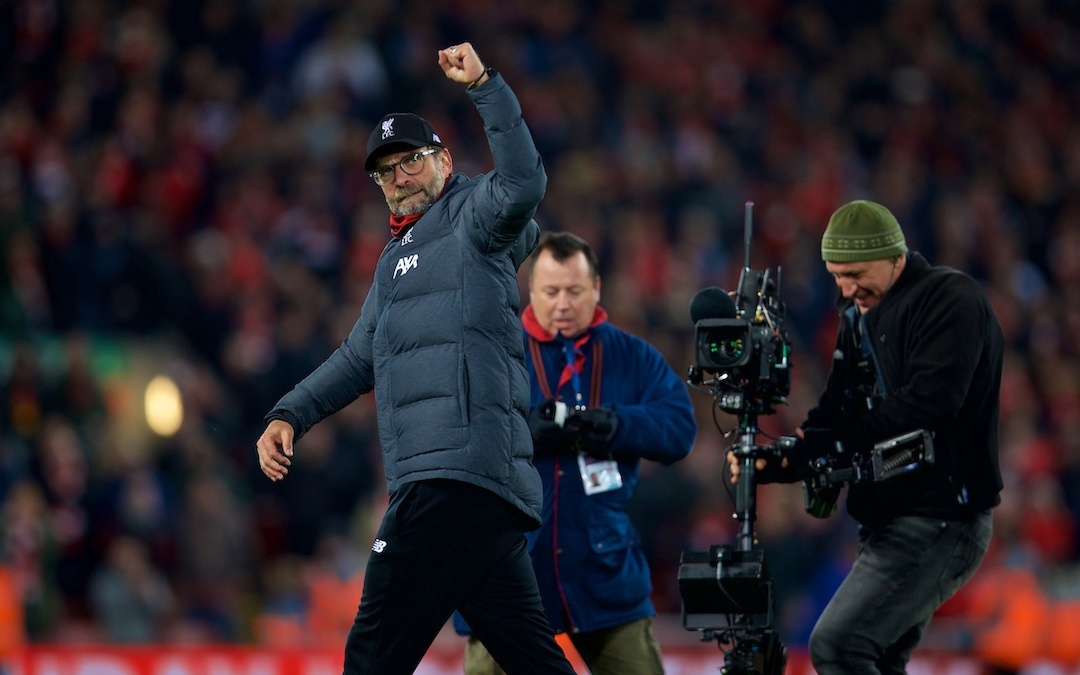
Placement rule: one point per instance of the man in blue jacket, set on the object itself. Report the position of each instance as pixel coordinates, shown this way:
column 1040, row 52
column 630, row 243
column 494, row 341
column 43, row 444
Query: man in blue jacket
column 602, row 400
column 437, row 340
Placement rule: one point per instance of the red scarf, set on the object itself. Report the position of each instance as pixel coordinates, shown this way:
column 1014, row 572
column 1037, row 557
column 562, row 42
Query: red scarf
column 398, row 224
column 535, row 330
column 533, row 327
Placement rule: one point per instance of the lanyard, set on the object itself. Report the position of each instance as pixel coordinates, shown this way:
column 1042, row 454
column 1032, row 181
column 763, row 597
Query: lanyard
column 570, row 374
column 866, row 345
column 575, row 363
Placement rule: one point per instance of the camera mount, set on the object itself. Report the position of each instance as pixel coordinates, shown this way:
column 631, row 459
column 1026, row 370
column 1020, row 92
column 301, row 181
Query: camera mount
column 887, row 459
column 727, row 592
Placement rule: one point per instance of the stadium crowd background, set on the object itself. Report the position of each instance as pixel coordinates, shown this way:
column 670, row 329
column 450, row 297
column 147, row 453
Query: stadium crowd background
column 182, row 193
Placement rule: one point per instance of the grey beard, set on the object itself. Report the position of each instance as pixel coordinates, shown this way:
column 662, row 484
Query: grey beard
column 418, row 207
column 432, row 191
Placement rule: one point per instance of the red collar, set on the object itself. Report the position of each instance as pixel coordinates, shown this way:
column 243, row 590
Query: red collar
column 533, row 327
column 398, row 224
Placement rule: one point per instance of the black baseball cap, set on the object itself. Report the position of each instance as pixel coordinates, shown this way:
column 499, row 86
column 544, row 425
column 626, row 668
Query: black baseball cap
column 396, row 132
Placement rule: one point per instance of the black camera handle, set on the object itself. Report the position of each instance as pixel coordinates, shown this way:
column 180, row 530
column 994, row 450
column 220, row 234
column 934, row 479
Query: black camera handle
column 747, row 451
column 759, row 650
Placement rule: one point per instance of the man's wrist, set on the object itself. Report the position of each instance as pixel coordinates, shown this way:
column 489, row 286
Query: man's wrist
column 486, row 75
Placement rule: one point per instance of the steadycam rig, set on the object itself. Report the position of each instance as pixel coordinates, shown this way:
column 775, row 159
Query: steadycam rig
column 743, row 359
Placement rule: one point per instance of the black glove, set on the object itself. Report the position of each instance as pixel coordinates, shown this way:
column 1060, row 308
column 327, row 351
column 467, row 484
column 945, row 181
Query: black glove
column 546, row 434
column 595, row 428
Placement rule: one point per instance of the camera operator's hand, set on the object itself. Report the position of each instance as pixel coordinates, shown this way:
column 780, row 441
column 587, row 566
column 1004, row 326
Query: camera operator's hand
column 548, row 436
column 595, row 428
column 811, row 444
column 789, row 469
column 766, row 471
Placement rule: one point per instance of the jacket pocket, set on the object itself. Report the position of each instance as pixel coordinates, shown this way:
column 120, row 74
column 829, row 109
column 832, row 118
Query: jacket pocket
column 616, row 574
column 463, row 383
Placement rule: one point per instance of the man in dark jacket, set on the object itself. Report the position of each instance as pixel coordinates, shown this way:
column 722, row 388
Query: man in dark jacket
column 437, row 340
column 918, row 347
column 602, row 400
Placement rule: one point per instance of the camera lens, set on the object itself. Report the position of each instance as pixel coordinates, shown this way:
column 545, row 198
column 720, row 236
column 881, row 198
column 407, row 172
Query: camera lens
column 724, row 344
column 727, row 349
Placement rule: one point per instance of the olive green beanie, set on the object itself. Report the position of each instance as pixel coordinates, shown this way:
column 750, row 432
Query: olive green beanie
column 862, row 230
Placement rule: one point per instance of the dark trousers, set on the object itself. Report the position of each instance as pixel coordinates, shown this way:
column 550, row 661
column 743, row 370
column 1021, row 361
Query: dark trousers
column 903, row 571
column 446, row 545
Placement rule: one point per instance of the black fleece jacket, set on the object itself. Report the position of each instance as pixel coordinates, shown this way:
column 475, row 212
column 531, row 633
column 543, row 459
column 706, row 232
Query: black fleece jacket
column 939, row 348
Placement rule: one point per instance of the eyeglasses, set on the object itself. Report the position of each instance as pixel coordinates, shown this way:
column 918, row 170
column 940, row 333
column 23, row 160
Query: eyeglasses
column 410, row 164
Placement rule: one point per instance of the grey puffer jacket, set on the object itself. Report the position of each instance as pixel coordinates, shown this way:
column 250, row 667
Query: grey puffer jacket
column 439, row 339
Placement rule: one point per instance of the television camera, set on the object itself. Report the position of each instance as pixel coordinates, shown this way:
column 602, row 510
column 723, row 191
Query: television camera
column 743, row 343
column 743, row 358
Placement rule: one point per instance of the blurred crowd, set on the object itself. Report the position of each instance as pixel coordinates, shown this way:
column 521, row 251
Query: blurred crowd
column 181, row 188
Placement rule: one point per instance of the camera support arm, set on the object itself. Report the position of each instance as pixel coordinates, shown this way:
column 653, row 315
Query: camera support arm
column 747, row 452
column 727, row 592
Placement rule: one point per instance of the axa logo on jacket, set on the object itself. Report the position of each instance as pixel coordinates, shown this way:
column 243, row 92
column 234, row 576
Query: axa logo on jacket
column 405, row 263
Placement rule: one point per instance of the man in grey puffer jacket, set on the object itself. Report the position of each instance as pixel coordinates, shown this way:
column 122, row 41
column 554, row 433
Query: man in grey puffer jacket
column 439, row 341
